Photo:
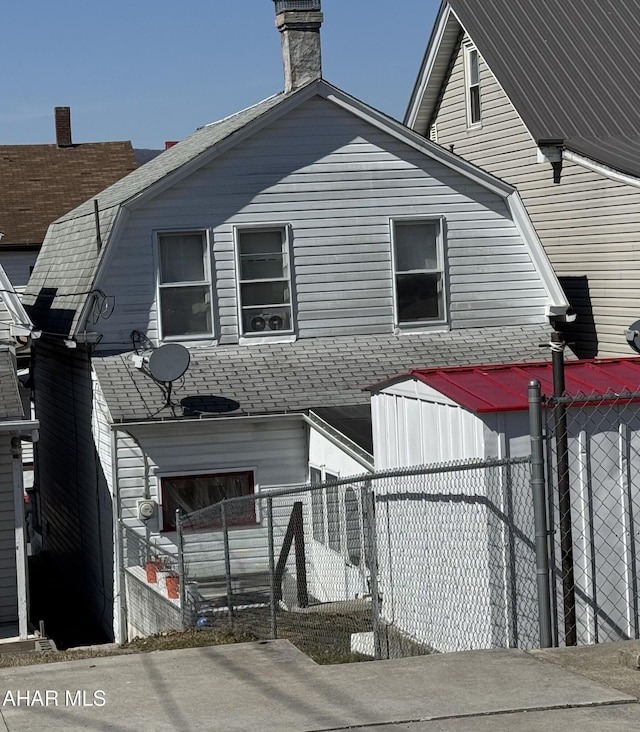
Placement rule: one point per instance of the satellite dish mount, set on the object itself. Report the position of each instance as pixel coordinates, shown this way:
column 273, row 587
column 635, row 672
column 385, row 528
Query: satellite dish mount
column 167, row 364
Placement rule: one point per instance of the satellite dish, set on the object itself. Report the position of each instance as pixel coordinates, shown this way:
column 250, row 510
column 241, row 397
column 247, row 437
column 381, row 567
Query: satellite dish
column 633, row 336
column 169, row 362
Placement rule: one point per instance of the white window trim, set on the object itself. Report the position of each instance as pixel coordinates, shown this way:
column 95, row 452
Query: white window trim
column 160, row 474
column 206, row 234
column 469, row 48
column 263, row 336
column 421, row 325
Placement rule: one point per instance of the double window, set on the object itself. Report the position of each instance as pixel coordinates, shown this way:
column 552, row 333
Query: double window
column 472, row 82
column 201, row 494
column 419, row 271
column 184, row 285
column 264, row 280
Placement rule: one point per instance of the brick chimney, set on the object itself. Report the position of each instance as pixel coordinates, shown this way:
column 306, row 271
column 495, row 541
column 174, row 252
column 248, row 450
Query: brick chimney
column 63, row 126
column 299, row 24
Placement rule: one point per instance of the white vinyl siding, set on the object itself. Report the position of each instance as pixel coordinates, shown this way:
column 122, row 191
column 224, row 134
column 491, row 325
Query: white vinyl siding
column 589, row 225
column 336, row 181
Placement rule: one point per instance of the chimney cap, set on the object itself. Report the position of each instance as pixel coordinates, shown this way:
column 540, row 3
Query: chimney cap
column 283, row 5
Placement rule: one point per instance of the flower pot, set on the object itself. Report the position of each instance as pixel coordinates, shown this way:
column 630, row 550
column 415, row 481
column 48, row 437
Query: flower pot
column 172, row 583
column 151, row 568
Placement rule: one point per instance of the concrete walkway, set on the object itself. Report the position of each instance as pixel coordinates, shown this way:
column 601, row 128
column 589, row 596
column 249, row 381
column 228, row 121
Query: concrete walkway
column 272, row 687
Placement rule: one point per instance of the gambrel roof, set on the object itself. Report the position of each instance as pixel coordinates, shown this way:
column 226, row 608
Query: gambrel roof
column 571, row 68
column 69, row 267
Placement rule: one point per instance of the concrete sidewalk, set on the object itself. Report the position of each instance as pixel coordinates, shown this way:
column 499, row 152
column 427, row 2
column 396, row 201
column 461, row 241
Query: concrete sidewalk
column 272, row 687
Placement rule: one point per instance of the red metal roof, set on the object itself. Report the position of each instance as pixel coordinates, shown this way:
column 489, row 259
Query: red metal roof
column 504, row 387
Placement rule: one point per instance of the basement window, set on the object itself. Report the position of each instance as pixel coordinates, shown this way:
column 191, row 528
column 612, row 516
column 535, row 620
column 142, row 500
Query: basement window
column 184, row 285
column 418, row 258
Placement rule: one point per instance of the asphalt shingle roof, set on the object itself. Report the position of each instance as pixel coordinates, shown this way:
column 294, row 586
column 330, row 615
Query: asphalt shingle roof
column 570, row 67
column 290, row 377
column 56, row 291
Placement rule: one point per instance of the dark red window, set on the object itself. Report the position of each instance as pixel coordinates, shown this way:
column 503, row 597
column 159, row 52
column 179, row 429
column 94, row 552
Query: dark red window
column 200, row 496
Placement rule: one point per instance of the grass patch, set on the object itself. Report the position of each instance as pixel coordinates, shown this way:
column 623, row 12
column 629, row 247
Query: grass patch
column 323, row 636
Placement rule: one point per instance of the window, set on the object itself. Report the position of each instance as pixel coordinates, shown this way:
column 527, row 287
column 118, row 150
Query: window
column 184, row 285
column 419, row 271
column 472, row 78
column 264, row 281
column 191, row 493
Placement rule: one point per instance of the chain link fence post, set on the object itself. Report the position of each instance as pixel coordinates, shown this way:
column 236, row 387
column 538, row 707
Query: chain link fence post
column 273, row 606
column 182, row 579
column 540, row 514
column 227, row 558
column 369, row 504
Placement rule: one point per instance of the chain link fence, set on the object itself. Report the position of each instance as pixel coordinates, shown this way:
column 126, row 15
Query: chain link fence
column 382, row 565
column 593, row 469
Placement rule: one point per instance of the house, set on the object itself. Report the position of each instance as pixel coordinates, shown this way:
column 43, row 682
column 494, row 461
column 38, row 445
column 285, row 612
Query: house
column 543, row 94
column 16, row 332
column 39, row 183
column 297, row 250
column 483, row 411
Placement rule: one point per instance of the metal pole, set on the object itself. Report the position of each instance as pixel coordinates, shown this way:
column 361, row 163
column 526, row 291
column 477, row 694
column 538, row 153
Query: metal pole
column 372, row 560
column 272, row 571
column 540, row 514
column 182, row 587
column 227, row 557
column 564, row 492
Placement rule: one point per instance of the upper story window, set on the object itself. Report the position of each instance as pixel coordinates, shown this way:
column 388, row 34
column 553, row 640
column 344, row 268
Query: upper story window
column 418, row 251
column 264, row 280
column 472, row 82
column 184, row 285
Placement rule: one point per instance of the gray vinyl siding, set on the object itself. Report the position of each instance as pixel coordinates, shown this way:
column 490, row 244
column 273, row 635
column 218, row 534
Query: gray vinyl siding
column 8, row 577
column 589, row 224
column 275, row 450
column 336, row 181
column 75, row 502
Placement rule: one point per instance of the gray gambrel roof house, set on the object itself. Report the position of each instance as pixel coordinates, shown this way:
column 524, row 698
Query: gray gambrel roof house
column 61, row 290
column 571, row 68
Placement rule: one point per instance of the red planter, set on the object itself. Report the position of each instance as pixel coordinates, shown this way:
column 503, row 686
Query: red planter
column 173, row 586
column 151, row 568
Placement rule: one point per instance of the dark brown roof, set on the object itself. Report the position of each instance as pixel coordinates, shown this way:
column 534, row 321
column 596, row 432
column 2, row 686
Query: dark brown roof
column 571, row 68
column 40, row 183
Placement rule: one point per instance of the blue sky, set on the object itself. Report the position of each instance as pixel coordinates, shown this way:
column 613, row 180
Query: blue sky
column 154, row 70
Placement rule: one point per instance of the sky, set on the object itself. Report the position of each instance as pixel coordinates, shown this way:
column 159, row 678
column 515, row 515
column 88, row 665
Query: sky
column 154, row 70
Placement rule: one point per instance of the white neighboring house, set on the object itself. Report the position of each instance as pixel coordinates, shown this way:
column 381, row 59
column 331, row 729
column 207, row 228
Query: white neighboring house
column 16, row 332
column 299, row 249
column 429, row 416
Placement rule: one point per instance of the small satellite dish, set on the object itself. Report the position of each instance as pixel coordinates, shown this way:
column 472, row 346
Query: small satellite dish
column 633, row 336
column 169, row 362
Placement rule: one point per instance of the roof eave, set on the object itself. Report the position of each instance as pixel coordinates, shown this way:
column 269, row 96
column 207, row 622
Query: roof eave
column 427, row 87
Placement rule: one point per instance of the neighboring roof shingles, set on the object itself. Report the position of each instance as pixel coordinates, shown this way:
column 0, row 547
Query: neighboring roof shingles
column 289, row 377
column 39, row 183
column 58, row 313
column 10, row 402
column 570, row 67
